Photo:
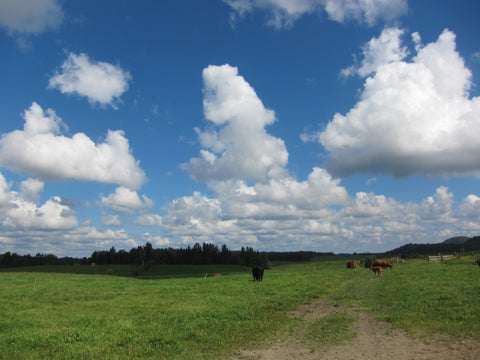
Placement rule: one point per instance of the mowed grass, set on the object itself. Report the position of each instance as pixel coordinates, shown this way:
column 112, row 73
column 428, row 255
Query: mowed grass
column 74, row 316
column 192, row 316
column 421, row 297
column 155, row 272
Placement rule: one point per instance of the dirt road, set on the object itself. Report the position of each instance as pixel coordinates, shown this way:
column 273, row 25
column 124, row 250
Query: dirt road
column 373, row 340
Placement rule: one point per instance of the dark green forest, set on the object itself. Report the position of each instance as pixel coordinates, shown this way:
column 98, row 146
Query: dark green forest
column 145, row 256
column 468, row 245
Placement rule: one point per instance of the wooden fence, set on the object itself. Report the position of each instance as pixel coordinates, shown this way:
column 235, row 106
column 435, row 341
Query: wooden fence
column 439, row 258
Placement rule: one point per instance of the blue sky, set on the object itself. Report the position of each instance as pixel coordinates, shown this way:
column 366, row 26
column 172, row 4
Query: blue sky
column 323, row 125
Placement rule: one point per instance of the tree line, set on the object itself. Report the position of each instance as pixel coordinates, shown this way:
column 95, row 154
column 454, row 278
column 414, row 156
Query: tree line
column 418, row 250
column 204, row 254
column 145, row 256
column 9, row 259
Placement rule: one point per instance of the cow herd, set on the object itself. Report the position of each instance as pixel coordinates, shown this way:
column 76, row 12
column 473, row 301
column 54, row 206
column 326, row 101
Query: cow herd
column 377, row 266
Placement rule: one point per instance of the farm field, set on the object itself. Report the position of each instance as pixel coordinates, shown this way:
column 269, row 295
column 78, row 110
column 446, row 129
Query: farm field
column 184, row 312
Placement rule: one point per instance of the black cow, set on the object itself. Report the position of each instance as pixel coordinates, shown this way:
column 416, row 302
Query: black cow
column 257, row 272
column 478, row 262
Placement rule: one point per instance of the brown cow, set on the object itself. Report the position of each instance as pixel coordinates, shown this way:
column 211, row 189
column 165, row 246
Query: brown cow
column 382, row 263
column 377, row 270
column 351, row 264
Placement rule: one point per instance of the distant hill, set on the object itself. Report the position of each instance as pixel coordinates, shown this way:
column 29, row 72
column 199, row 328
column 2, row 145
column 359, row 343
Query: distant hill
column 449, row 246
column 456, row 240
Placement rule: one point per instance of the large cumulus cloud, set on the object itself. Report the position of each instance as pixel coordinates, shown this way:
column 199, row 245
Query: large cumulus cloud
column 276, row 210
column 257, row 202
column 414, row 116
column 236, row 145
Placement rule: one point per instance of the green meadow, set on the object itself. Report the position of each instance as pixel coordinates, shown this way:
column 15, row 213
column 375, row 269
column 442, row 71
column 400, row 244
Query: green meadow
column 185, row 312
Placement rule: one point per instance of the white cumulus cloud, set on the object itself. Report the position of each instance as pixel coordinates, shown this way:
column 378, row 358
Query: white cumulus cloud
column 126, row 201
column 40, row 150
column 278, row 211
column 414, row 116
column 52, row 215
column 379, row 51
column 19, row 211
column 111, row 220
column 255, row 196
column 148, row 220
column 437, row 208
column 31, row 188
column 156, row 240
column 239, row 147
column 100, row 82
column 87, row 236
column 470, row 208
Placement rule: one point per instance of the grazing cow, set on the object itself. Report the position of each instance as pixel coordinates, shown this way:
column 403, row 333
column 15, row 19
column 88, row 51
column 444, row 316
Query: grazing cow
column 257, row 272
column 382, row 263
column 351, row 264
column 377, row 270
column 478, row 262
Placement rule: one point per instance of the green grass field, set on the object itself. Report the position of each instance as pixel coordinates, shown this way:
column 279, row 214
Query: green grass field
column 183, row 312
column 422, row 297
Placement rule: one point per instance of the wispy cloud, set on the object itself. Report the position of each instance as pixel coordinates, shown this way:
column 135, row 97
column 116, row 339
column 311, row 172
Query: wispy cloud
column 285, row 13
column 30, row 16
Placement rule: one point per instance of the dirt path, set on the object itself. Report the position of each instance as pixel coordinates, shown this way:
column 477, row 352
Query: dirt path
column 374, row 340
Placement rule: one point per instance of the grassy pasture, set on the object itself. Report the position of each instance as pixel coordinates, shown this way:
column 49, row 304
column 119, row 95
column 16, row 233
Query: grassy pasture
column 422, row 297
column 155, row 272
column 67, row 314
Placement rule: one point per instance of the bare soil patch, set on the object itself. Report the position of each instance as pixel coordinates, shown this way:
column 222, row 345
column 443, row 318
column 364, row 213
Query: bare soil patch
column 374, row 340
